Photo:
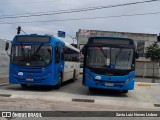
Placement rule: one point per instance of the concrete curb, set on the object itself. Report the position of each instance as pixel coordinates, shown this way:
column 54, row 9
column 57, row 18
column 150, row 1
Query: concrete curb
column 146, row 84
column 1, row 84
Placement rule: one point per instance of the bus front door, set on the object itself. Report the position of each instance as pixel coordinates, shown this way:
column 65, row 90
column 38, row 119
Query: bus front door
column 58, row 64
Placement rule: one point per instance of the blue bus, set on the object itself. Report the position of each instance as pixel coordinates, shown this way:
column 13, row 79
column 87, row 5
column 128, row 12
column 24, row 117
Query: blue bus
column 42, row 60
column 109, row 63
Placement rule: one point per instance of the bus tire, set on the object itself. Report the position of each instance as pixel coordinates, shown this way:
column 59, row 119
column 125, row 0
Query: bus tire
column 91, row 89
column 59, row 82
column 125, row 91
column 24, row 85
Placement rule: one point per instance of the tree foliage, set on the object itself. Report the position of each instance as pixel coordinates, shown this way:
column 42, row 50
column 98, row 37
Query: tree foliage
column 153, row 52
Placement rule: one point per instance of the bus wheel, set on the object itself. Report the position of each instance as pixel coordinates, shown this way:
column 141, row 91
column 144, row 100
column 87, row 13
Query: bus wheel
column 125, row 91
column 59, row 82
column 23, row 85
column 91, row 89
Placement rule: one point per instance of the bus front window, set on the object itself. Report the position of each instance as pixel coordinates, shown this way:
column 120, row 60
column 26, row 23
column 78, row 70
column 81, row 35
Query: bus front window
column 98, row 56
column 111, row 58
column 122, row 58
column 31, row 55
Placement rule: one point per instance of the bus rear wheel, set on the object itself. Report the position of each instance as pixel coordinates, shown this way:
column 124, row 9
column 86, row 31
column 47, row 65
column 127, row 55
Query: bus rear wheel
column 59, row 82
column 91, row 89
column 124, row 91
column 24, row 85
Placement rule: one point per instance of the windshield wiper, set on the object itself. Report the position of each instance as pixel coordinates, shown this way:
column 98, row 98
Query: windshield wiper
column 104, row 54
column 39, row 48
column 119, row 52
column 129, row 56
column 41, row 58
column 39, row 54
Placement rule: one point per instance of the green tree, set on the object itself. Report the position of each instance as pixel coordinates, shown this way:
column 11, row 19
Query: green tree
column 153, row 53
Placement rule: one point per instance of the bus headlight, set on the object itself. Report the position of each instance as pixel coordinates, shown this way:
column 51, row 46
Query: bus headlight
column 128, row 80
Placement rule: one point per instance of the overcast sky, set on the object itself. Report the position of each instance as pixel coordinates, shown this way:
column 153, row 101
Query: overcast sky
column 142, row 24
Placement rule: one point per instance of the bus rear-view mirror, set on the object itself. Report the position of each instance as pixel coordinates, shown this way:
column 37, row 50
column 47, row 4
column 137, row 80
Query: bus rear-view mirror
column 7, row 46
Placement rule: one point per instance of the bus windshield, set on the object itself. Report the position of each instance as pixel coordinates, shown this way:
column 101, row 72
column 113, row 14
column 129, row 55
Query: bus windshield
column 110, row 58
column 31, row 55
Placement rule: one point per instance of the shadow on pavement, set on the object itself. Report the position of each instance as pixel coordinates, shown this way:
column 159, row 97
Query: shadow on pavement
column 105, row 92
column 35, row 88
column 68, row 87
column 78, row 89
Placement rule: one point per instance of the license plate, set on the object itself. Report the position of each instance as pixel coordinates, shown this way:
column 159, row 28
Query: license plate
column 29, row 79
column 109, row 84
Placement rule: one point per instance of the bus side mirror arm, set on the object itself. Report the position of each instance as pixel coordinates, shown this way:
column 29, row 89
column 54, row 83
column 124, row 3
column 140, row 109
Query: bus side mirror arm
column 7, row 47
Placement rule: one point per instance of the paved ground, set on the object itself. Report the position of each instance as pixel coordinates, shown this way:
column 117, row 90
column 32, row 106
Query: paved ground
column 148, row 80
column 3, row 80
column 142, row 97
column 3, row 70
column 36, row 98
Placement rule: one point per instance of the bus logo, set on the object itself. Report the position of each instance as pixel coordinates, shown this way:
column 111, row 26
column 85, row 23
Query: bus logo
column 20, row 73
column 98, row 77
column 6, row 114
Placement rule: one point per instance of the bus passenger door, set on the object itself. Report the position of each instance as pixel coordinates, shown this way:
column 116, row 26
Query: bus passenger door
column 57, row 62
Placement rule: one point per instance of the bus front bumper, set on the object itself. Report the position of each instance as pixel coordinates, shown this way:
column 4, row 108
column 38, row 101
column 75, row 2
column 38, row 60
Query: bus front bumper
column 109, row 85
column 48, row 80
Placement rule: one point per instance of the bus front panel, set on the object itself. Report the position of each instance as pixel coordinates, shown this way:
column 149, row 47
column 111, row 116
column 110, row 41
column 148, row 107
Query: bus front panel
column 125, row 82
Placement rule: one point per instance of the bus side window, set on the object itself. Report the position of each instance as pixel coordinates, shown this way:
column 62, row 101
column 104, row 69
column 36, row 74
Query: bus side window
column 57, row 54
column 65, row 53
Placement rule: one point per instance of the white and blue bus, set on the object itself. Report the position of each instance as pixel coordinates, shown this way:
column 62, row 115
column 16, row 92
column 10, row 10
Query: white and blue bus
column 109, row 63
column 42, row 60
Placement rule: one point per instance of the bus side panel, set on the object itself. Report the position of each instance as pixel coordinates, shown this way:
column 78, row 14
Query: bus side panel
column 69, row 68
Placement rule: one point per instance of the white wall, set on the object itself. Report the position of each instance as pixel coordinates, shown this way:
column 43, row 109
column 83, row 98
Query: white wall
column 145, row 69
column 4, row 60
